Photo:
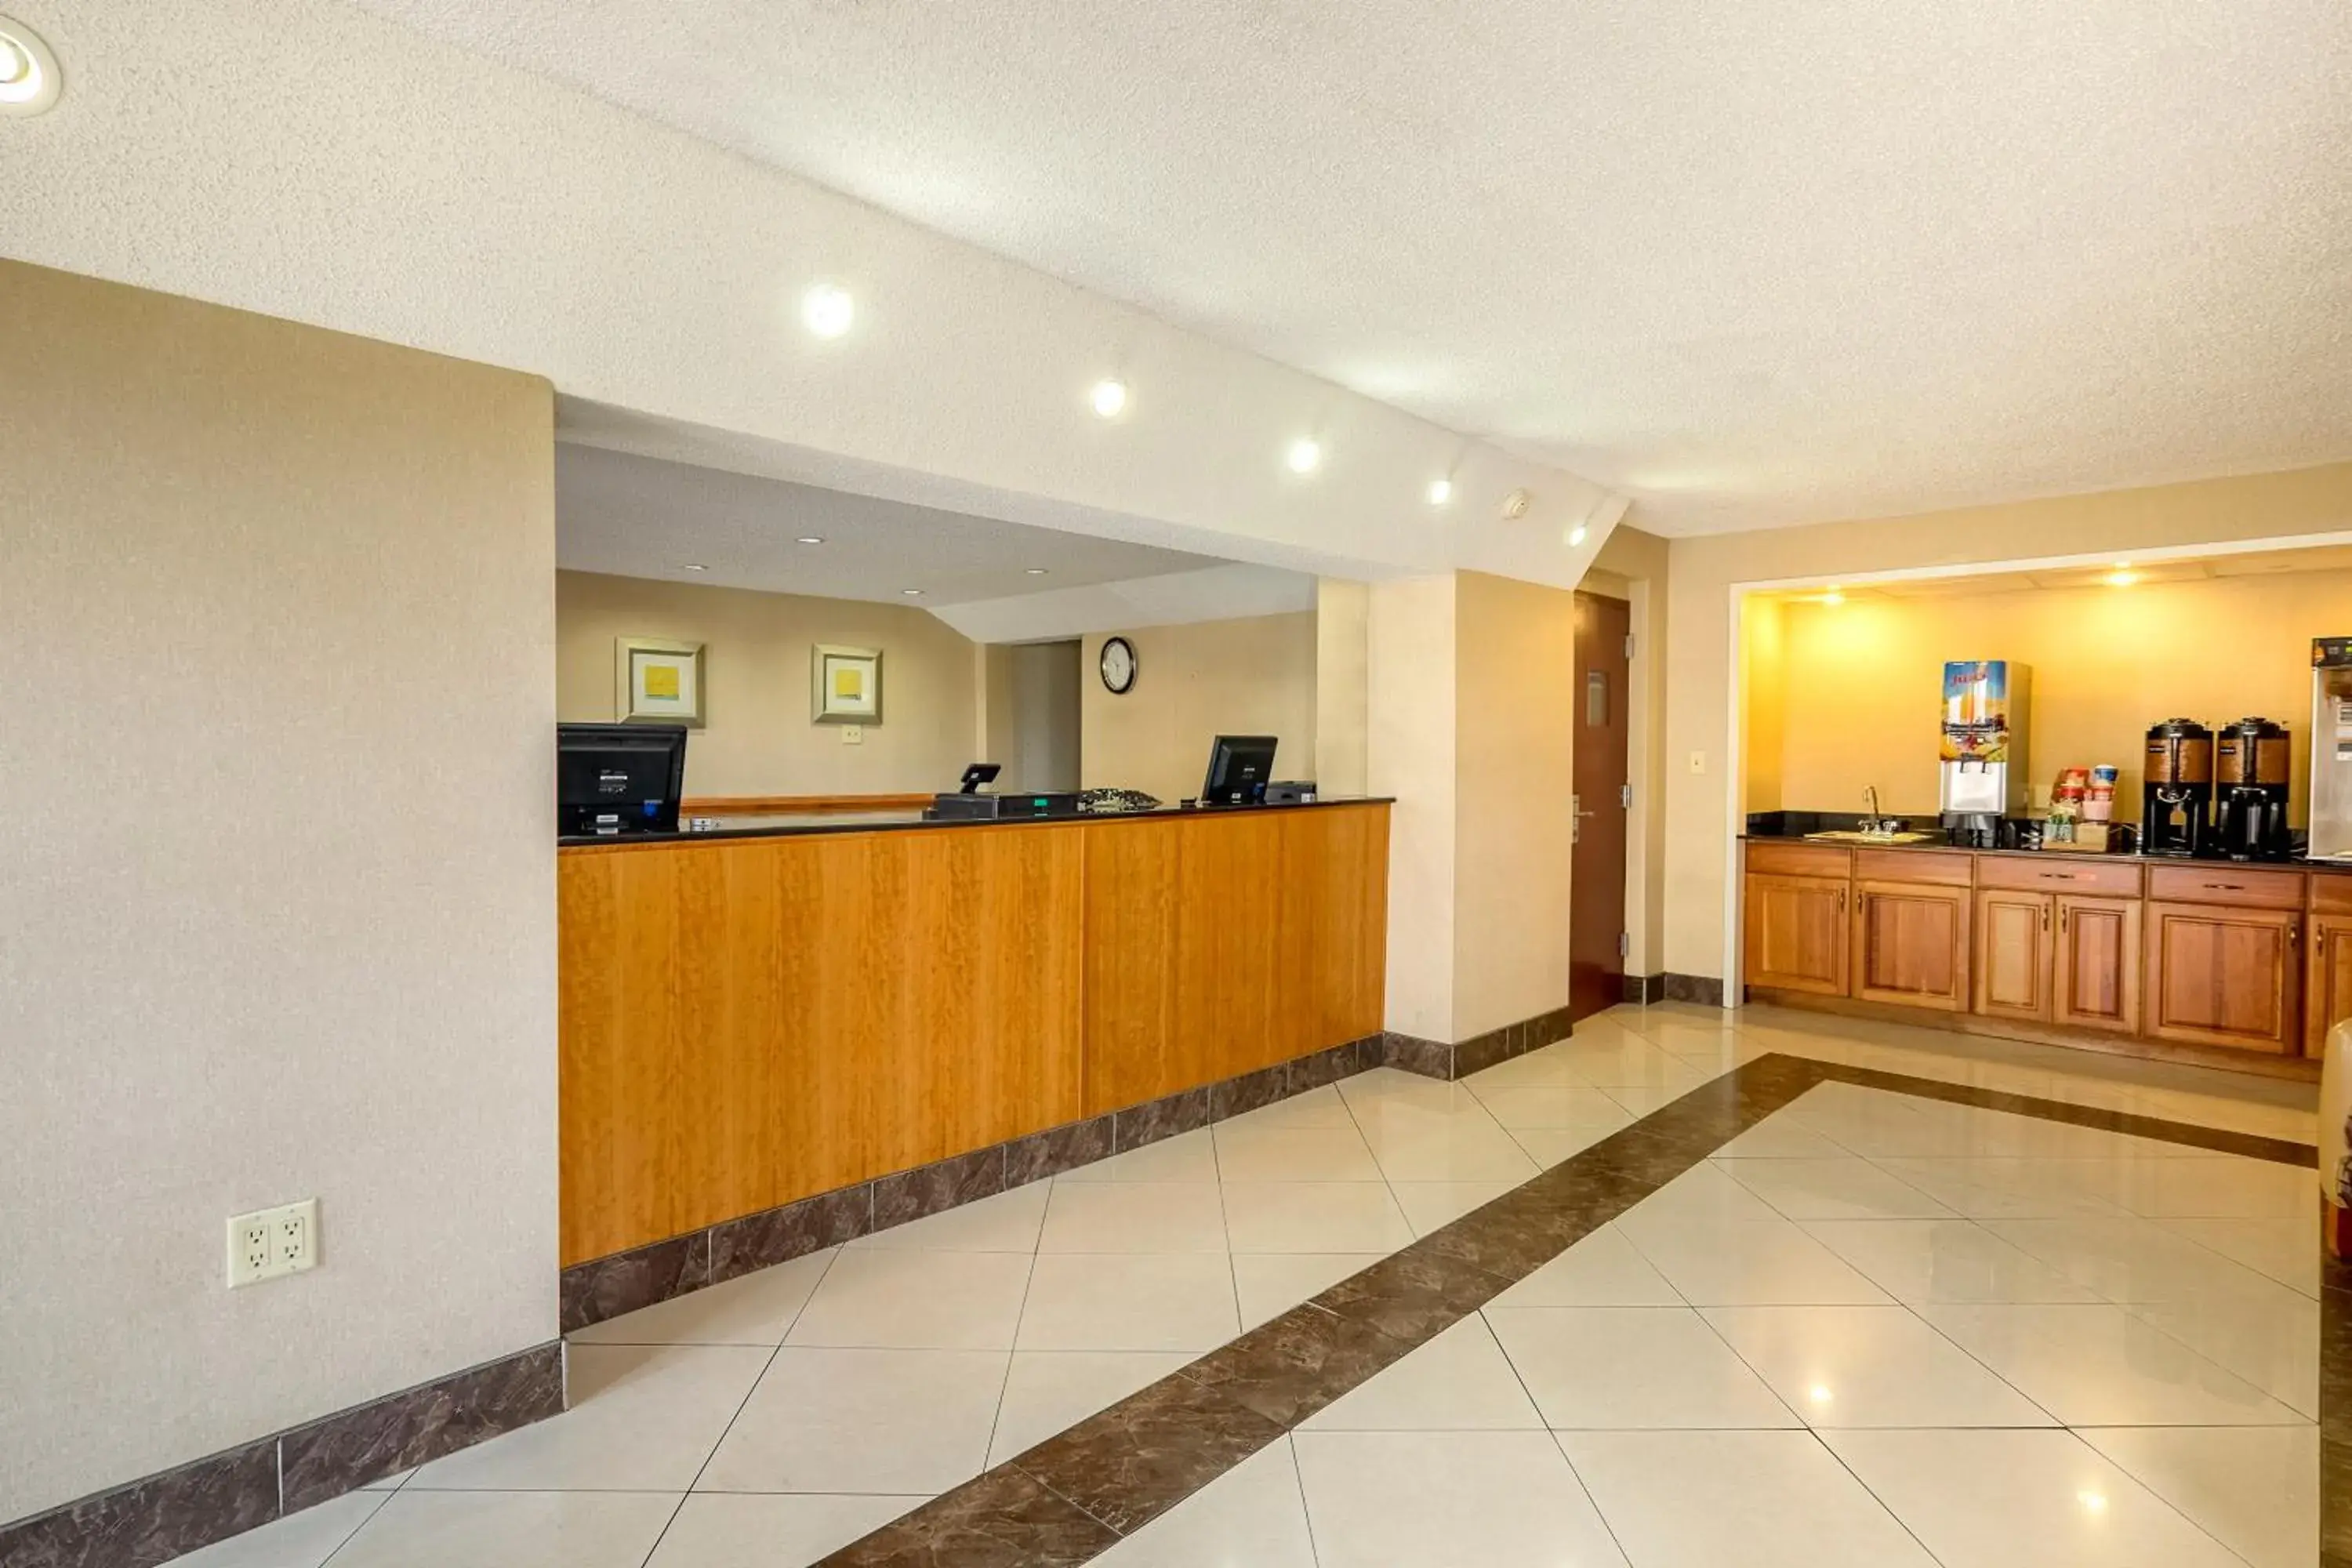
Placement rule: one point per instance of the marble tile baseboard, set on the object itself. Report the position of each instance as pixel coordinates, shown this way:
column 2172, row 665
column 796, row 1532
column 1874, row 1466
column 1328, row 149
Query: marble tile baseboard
column 1641, row 990
column 625, row 1282
column 1707, row 989
column 209, row 1500
column 1436, row 1058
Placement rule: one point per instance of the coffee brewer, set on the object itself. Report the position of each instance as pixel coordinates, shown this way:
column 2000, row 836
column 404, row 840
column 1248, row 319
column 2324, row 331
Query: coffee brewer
column 2177, row 793
column 2249, row 773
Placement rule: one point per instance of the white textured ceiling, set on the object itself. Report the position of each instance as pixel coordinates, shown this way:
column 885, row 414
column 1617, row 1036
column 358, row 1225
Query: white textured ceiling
column 643, row 517
column 1749, row 261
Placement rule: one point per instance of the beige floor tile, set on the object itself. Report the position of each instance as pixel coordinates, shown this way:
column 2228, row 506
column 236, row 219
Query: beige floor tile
column 303, row 1540
column 2022, row 1499
column 2253, row 1489
column 1953, row 1260
column 1293, row 1155
column 1134, row 1216
column 1760, row 1499
column 1187, row 1157
column 917, row 1301
column 2285, row 1250
column 743, row 1529
column 1270, row 1283
column 894, row 1421
column 1553, row 1105
column 510, row 1530
column 1049, row 1391
column 1631, row 1367
column 1844, row 1188
column 757, row 1309
column 1314, row 1216
column 1007, row 1222
column 1605, row 1269
column 1748, row 1264
column 1869, row 1366
column 1253, row 1516
column 2100, row 1366
column 1476, row 1499
column 1168, row 1302
column 1431, row 1206
column 1456, row 1381
column 642, row 1418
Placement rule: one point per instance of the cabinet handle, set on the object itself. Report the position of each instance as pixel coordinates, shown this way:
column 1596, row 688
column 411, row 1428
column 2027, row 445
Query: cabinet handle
column 2045, row 917
column 2055, row 876
column 1841, row 900
column 2226, row 886
column 2061, row 920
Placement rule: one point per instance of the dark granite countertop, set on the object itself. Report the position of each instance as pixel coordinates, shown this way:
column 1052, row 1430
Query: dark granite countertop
column 1794, row 826
column 797, row 825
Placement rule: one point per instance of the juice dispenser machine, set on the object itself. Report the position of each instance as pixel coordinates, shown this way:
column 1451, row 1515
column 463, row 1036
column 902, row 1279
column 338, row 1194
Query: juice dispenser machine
column 1983, row 753
column 2331, row 749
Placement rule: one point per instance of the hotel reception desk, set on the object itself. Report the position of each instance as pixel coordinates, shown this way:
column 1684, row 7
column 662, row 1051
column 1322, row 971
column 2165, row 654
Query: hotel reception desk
column 751, row 1019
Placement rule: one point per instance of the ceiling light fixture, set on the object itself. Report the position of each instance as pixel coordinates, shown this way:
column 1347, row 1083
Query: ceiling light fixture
column 1576, row 536
column 809, row 539
column 1440, row 491
column 1303, row 455
column 1831, row 596
column 695, row 566
column 2094, row 1501
column 912, row 593
column 827, row 310
column 2122, row 576
column 29, row 79
column 1109, row 398
column 1036, row 570
column 1819, row 1393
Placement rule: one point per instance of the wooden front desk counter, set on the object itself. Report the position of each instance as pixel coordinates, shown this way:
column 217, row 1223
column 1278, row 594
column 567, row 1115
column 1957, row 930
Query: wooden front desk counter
column 2234, row 964
column 748, row 1020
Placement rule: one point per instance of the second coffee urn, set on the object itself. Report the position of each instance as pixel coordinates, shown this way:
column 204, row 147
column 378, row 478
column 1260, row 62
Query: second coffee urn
column 2176, row 789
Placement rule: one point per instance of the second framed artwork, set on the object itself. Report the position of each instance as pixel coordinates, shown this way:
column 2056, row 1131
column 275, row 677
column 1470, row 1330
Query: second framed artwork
column 845, row 685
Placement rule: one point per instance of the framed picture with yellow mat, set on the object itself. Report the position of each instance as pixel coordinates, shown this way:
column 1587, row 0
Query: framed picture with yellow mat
column 658, row 681
column 845, row 685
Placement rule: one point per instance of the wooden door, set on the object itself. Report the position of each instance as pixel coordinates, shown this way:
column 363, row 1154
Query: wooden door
column 1910, row 944
column 2328, row 963
column 2224, row 976
column 1596, row 926
column 2014, row 942
column 1795, row 933
column 2097, row 978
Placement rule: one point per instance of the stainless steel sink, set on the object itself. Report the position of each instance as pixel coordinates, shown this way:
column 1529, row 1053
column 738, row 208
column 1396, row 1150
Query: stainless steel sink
column 1854, row 835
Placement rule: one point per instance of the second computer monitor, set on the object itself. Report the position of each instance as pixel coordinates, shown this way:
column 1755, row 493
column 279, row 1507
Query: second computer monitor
column 1239, row 766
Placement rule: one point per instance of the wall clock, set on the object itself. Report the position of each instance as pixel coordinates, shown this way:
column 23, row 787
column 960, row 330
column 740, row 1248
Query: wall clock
column 1119, row 666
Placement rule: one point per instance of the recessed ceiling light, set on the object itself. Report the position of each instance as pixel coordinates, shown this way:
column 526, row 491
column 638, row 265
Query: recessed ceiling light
column 1831, row 596
column 1576, row 536
column 30, row 79
column 1036, row 570
column 808, row 539
column 2122, row 576
column 2092, row 1501
column 912, row 593
column 1109, row 398
column 695, row 566
column 1440, row 491
column 1819, row 1393
column 1303, row 455
column 828, row 310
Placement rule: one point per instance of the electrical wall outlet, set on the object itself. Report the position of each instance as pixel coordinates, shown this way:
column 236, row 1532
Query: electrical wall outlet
column 852, row 734
column 268, row 1243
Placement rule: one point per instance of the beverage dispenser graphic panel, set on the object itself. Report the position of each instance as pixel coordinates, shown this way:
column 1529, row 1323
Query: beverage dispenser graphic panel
column 1983, row 746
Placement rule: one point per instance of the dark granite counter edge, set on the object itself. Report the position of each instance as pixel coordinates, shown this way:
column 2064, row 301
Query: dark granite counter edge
column 802, row 827
column 1943, row 846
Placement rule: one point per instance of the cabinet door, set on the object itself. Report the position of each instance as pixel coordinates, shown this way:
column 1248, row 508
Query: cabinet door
column 2096, row 984
column 2220, row 976
column 1911, row 944
column 2013, row 950
column 1796, row 933
column 2329, row 967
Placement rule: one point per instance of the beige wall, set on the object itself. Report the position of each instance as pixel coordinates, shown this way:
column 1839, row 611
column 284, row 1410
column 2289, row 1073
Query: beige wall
column 1410, row 755
column 276, row 911
column 1863, row 678
column 759, row 739
column 1254, row 675
column 1342, row 630
column 1699, row 667
column 1514, row 709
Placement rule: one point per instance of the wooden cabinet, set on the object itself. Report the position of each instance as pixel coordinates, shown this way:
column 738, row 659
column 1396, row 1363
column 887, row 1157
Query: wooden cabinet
column 2327, row 971
column 2224, row 975
column 1910, row 944
column 1795, row 933
column 2015, row 946
column 2095, row 976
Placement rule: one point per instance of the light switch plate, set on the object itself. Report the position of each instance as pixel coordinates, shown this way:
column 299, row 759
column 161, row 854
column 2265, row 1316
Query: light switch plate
column 268, row 1242
column 852, row 734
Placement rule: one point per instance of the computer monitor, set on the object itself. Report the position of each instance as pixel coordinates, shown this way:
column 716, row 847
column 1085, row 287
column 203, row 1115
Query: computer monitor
column 1239, row 766
column 618, row 778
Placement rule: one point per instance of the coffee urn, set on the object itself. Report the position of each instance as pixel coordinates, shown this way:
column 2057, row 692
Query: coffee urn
column 2176, row 789
column 2250, row 773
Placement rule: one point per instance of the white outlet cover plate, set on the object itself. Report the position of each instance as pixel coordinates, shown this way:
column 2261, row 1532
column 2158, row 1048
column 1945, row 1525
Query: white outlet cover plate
column 269, row 1243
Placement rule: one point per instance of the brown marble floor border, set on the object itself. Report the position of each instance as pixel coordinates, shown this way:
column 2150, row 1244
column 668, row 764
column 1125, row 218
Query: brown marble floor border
column 1074, row 1496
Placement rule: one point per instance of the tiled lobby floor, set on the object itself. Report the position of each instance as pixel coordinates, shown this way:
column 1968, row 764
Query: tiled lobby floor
column 1874, row 1329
